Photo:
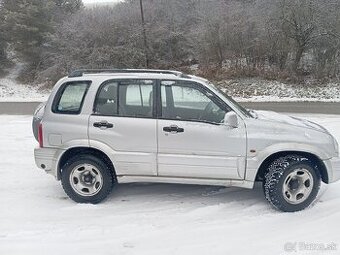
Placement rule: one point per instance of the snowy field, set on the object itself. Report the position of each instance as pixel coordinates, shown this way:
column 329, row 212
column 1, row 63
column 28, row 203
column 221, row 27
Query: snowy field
column 242, row 90
column 36, row 217
column 258, row 90
column 13, row 91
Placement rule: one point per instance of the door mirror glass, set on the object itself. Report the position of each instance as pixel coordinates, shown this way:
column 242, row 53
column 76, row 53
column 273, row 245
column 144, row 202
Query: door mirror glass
column 230, row 119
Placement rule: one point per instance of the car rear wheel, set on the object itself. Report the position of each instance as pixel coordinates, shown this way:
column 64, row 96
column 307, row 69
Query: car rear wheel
column 292, row 183
column 87, row 179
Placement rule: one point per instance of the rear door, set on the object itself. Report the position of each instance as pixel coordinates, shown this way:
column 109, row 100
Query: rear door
column 192, row 142
column 123, row 120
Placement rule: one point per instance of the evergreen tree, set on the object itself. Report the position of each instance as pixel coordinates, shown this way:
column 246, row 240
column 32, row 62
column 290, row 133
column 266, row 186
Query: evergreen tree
column 2, row 39
column 28, row 24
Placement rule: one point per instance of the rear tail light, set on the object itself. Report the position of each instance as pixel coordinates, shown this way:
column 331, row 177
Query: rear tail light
column 40, row 136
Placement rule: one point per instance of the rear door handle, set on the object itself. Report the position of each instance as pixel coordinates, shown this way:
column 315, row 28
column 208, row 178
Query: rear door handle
column 173, row 129
column 103, row 124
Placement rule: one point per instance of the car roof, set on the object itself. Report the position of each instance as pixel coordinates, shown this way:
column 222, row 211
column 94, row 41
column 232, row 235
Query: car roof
column 81, row 72
column 103, row 76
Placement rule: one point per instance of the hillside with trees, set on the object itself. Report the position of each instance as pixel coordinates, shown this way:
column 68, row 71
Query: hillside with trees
column 289, row 40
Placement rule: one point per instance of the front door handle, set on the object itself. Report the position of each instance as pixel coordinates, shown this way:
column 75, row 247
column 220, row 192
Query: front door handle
column 173, row 129
column 103, row 124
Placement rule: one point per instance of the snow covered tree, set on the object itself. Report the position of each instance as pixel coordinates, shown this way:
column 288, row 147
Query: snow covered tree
column 232, row 37
column 3, row 43
column 69, row 6
column 27, row 25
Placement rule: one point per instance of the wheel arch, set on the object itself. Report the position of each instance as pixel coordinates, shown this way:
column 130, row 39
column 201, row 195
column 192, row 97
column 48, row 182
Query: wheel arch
column 319, row 163
column 83, row 150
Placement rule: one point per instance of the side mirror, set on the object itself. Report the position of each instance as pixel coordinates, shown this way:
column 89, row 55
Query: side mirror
column 230, row 119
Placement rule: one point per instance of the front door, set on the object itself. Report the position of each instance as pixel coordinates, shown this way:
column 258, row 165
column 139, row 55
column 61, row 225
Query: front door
column 192, row 141
column 123, row 121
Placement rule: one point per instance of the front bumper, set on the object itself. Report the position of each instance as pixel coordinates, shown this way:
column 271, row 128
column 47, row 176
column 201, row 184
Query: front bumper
column 47, row 159
column 333, row 169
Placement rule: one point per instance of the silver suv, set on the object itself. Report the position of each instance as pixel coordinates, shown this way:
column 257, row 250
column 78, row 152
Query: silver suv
column 103, row 127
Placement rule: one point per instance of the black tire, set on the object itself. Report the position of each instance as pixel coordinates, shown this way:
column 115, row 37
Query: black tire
column 107, row 180
column 277, row 176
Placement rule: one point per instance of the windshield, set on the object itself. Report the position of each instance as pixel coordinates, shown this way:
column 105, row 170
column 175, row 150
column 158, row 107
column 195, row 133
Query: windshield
column 232, row 101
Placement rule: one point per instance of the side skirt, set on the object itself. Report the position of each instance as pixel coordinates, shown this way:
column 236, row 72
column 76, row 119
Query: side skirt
column 198, row 181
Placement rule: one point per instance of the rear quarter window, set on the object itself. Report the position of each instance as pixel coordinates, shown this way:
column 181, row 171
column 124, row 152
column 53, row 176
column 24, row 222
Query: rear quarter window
column 70, row 97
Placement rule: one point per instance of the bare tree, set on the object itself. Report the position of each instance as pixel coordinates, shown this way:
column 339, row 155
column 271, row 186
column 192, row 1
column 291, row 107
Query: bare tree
column 235, row 37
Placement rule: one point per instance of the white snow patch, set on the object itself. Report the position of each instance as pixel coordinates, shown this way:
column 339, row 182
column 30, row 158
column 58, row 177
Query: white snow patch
column 284, row 99
column 36, row 217
column 242, row 90
column 257, row 90
column 12, row 91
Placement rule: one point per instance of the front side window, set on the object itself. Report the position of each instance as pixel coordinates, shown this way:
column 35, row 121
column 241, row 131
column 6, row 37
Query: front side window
column 232, row 101
column 187, row 102
column 128, row 98
column 71, row 98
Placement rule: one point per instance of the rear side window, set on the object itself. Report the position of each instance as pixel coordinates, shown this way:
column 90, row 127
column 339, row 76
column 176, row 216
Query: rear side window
column 107, row 100
column 138, row 95
column 69, row 99
column 127, row 98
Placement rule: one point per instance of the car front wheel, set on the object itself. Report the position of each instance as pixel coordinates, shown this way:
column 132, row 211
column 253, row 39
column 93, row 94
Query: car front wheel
column 292, row 183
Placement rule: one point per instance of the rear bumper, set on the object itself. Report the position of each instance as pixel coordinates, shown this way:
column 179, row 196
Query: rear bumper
column 47, row 159
column 333, row 169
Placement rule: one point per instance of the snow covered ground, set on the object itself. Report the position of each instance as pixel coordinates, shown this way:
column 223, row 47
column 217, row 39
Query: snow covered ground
column 242, row 90
column 257, row 90
column 36, row 217
column 12, row 91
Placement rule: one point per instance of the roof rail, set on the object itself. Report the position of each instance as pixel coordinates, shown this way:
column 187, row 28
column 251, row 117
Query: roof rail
column 81, row 72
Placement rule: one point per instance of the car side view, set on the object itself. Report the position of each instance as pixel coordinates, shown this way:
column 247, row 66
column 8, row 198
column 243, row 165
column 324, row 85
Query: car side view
column 103, row 127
